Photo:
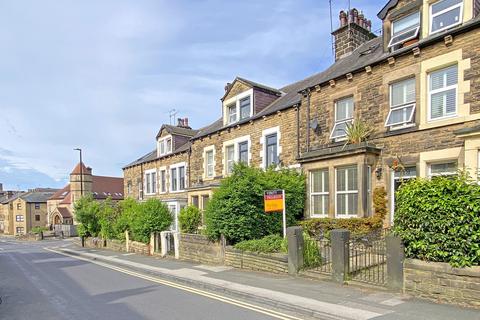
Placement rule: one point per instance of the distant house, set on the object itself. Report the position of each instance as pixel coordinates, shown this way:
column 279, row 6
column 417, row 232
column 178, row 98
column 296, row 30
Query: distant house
column 82, row 183
column 27, row 210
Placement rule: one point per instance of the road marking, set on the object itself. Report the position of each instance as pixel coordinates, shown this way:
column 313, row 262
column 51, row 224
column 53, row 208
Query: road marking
column 238, row 303
column 127, row 254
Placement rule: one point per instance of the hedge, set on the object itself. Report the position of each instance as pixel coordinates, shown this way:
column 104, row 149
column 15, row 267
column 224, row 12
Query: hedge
column 269, row 244
column 439, row 220
column 317, row 227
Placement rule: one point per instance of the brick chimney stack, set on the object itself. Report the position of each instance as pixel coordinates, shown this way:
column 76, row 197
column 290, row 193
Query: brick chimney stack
column 183, row 123
column 355, row 29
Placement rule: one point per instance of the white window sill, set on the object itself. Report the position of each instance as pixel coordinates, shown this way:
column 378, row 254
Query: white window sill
column 178, row 191
column 318, row 216
column 400, row 126
column 343, row 216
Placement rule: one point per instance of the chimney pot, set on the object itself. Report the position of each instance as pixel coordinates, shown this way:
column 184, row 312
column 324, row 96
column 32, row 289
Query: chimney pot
column 227, row 86
column 185, row 122
column 179, row 122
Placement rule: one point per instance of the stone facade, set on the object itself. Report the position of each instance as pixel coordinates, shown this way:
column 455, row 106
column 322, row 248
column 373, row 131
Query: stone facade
column 419, row 145
column 442, row 283
column 274, row 263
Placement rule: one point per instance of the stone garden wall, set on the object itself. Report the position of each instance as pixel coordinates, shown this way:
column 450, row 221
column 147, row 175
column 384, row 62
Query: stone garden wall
column 442, row 283
column 196, row 247
column 275, row 263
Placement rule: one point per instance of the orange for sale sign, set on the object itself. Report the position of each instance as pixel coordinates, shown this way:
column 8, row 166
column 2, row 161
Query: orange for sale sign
column 273, row 200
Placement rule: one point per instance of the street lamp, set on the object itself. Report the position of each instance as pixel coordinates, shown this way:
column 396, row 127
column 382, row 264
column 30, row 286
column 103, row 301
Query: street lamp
column 81, row 171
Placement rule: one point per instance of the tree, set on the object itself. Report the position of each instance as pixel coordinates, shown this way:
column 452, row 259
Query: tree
column 236, row 209
column 86, row 211
column 152, row 216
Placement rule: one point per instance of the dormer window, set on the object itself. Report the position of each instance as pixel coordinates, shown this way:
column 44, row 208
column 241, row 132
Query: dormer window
column 445, row 14
column 405, row 29
column 164, row 146
column 239, row 107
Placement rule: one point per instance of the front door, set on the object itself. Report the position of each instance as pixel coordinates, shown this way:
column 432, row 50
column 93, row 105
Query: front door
column 399, row 177
column 57, row 220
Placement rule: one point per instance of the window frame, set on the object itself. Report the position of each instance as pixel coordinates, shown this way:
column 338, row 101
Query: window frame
column 19, row 218
column 228, row 168
column 443, row 89
column 346, row 120
column 393, row 35
column 163, row 180
column 20, row 230
column 37, row 217
column 447, row 174
column 431, row 16
column 240, row 107
column 165, row 145
column 175, row 177
column 209, row 167
column 410, row 122
column 346, row 216
column 150, row 181
column 37, row 206
column 232, row 106
column 322, row 194
column 267, row 162
column 242, row 143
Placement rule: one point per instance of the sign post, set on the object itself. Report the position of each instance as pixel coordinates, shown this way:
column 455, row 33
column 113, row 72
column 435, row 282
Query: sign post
column 274, row 201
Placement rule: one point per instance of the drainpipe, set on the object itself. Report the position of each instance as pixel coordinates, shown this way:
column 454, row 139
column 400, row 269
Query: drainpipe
column 298, row 131
column 306, row 94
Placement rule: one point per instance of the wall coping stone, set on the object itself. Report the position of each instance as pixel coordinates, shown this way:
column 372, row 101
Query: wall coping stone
column 274, row 256
column 442, row 267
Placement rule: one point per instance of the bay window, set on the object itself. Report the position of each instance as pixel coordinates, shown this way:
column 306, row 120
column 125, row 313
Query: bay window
column 402, row 103
column 346, row 192
column 319, row 195
column 343, row 117
column 443, row 93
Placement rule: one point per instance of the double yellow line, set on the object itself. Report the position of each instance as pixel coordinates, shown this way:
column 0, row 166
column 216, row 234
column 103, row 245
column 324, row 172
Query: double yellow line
column 238, row 303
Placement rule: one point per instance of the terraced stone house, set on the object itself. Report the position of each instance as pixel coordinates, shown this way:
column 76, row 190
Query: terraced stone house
column 417, row 86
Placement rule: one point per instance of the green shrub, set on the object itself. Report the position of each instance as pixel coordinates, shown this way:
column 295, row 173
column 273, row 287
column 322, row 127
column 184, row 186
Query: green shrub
column 150, row 216
column 317, row 227
column 269, row 244
column 380, row 202
column 190, row 219
column 439, row 220
column 37, row 230
column 236, row 209
column 86, row 211
column 311, row 253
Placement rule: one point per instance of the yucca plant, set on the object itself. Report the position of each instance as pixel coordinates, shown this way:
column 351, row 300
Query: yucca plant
column 357, row 131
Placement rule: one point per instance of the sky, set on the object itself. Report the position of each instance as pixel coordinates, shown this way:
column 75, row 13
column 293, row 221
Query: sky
column 102, row 75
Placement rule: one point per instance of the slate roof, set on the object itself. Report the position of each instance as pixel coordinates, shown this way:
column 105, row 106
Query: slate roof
column 152, row 155
column 181, row 131
column 36, row 197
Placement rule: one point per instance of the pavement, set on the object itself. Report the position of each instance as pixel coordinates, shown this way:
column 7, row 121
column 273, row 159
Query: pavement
column 294, row 296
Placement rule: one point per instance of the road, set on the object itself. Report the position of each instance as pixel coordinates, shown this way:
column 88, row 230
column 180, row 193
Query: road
column 39, row 284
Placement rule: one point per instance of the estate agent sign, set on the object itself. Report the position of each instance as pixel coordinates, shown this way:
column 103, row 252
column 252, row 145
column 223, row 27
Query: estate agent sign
column 275, row 202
